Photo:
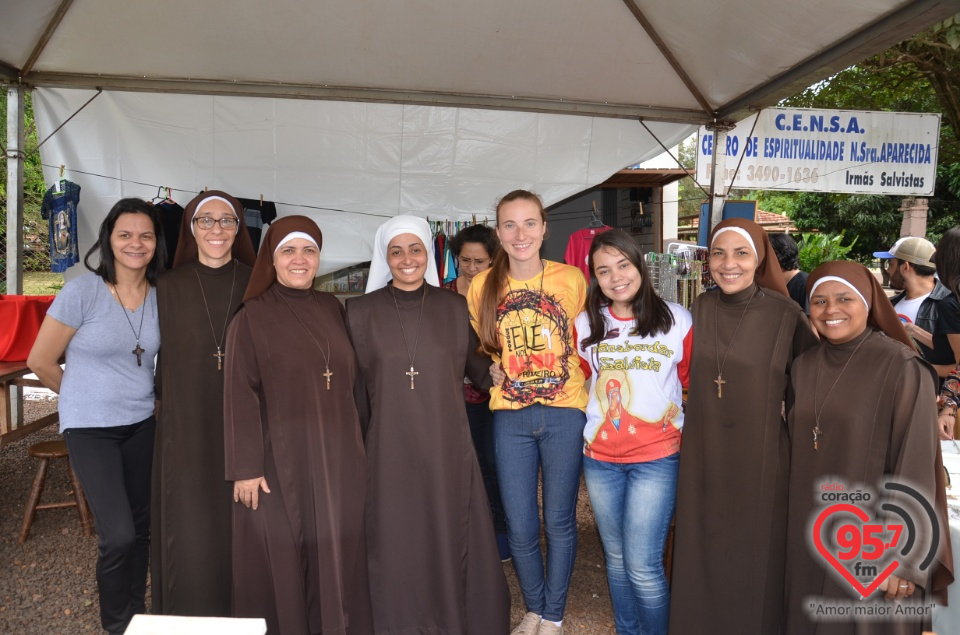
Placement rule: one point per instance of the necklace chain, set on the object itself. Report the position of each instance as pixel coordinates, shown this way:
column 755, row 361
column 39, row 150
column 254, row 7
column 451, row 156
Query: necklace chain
column 523, row 331
column 412, row 373
column 719, row 381
column 817, row 432
column 219, row 342
column 326, row 353
column 138, row 351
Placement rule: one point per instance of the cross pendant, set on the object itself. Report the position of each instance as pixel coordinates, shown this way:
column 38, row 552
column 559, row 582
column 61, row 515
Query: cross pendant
column 411, row 373
column 817, row 433
column 719, row 382
column 327, row 374
column 219, row 357
column 138, row 352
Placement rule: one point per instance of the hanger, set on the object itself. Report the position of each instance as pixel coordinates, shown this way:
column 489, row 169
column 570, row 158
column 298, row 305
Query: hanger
column 159, row 197
column 595, row 222
column 62, row 183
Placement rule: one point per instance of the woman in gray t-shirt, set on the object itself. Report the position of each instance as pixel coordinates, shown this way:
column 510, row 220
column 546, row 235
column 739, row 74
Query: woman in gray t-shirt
column 106, row 324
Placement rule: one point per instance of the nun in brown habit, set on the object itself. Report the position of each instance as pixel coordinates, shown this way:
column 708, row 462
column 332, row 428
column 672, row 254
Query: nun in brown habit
column 727, row 575
column 191, row 501
column 293, row 447
column 862, row 407
column 433, row 561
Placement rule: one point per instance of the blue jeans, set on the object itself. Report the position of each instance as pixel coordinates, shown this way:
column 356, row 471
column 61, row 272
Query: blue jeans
column 633, row 504
column 528, row 440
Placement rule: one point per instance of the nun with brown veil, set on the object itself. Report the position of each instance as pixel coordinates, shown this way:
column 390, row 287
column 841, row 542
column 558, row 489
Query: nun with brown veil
column 731, row 514
column 191, row 501
column 293, row 447
column 862, row 410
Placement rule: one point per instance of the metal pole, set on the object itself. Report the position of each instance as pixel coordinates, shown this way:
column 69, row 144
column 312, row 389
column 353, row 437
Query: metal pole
column 718, row 165
column 15, row 142
column 15, row 145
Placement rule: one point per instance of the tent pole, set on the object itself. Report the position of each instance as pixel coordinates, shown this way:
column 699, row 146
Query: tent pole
column 718, row 164
column 15, row 143
column 15, row 140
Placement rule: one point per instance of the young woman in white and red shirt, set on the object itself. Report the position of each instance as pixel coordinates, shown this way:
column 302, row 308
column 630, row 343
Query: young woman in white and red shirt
column 636, row 348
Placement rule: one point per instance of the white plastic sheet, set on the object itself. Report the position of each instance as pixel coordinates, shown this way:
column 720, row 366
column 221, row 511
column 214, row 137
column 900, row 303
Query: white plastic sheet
column 349, row 166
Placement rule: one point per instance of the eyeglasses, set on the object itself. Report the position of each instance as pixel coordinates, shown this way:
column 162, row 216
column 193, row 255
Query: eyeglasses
column 227, row 222
column 478, row 262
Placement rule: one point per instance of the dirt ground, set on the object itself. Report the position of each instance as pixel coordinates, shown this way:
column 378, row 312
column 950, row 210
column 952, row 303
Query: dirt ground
column 47, row 586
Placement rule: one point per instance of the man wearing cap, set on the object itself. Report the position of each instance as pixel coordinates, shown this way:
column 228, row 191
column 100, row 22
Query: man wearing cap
column 912, row 272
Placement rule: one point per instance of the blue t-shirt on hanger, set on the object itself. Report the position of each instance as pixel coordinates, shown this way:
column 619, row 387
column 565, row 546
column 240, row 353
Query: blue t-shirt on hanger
column 60, row 209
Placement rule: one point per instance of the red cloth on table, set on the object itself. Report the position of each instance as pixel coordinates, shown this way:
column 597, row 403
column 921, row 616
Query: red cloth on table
column 20, row 319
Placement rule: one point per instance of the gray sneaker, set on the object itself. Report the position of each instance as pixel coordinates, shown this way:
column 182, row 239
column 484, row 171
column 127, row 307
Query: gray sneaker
column 549, row 628
column 529, row 625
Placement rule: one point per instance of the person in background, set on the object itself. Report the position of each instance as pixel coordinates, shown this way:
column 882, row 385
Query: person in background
column 860, row 410
column 433, row 559
column 634, row 419
column 474, row 248
column 107, row 324
column 523, row 308
column 731, row 531
column 788, row 256
column 911, row 271
column 947, row 259
column 190, row 560
column 293, row 447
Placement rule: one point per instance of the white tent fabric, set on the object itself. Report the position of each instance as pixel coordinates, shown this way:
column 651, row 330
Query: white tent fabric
column 362, row 162
column 434, row 78
column 691, row 60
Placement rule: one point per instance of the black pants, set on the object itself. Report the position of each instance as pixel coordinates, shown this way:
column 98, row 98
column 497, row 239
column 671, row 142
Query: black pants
column 113, row 466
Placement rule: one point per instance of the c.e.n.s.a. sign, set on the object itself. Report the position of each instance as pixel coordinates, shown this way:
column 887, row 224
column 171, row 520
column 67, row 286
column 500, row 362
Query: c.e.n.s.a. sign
column 828, row 151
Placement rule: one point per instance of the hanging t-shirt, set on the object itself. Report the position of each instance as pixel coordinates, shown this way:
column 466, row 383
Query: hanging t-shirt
column 171, row 216
column 60, row 209
column 256, row 214
column 909, row 308
column 578, row 248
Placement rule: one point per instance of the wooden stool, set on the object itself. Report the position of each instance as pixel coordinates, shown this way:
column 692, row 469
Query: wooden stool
column 46, row 451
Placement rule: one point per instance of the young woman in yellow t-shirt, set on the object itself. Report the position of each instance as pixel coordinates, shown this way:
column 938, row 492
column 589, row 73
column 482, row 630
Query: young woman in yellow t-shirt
column 523, row 308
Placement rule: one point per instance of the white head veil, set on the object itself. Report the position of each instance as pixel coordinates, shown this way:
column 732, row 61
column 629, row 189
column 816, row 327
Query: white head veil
column 380, row 273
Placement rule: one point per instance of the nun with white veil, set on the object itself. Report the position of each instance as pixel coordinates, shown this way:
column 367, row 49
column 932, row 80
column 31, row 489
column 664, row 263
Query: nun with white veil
column 432, row 555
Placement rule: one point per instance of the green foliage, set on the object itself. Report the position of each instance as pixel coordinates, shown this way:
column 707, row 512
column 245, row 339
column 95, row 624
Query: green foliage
column 35, row 233
column 816, row 249
column 689, row 194
column 921, row 74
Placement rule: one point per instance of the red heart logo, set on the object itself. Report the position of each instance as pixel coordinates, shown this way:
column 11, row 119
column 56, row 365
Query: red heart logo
column 829, row 557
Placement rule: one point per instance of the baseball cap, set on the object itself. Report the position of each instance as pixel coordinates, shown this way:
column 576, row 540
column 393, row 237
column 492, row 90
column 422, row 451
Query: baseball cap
column 918, row 251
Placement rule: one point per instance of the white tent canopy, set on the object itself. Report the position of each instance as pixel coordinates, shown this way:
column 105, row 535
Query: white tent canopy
column 464, row 100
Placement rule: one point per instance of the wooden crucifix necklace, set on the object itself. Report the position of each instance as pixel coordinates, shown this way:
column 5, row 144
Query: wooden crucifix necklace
column 226, row 316
column 138, row 351
column 719, row 381
column 817, row 432
column 412, row 373
column 326, row 353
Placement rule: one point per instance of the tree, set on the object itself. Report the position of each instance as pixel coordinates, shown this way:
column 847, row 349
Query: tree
column 36, row 239
column 921, row 74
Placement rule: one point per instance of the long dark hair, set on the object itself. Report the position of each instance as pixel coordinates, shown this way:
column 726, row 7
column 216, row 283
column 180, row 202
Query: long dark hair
column 651, row 315
column 947, row 259
column 492, row 291
column 106, row 268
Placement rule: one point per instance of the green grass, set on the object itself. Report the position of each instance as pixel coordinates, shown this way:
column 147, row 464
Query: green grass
column 41, row 282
